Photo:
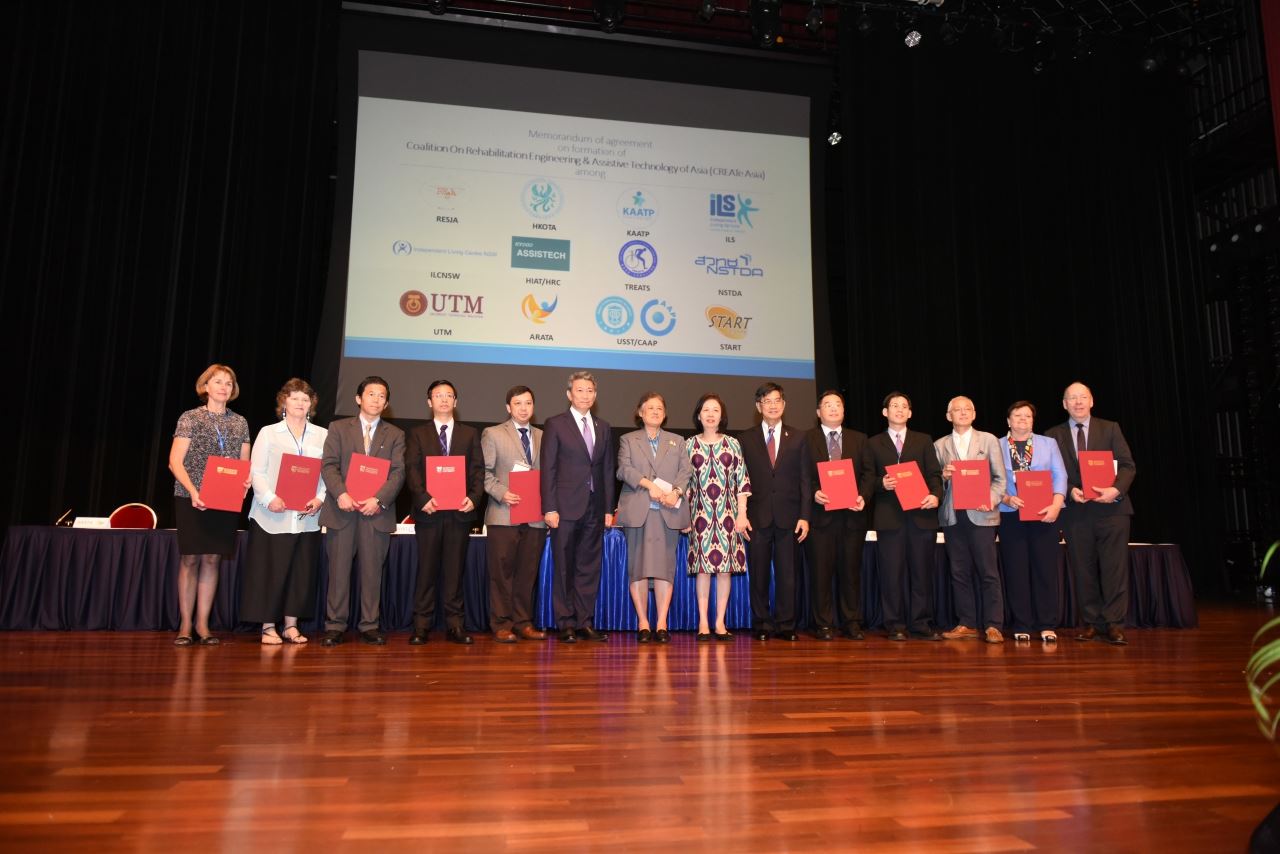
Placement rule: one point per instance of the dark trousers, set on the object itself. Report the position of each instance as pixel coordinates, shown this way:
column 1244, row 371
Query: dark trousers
column 279, row 577
column 514, row 553
column 1098, row 552
column 776, row 545
column 906, row 555
column 971, row 551
column 836, row 550
column 360, row 541
column 1029, row 552
column 575, row 579
column 442, row 555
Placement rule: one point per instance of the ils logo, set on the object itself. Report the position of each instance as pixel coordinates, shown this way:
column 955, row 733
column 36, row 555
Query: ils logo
column 727, row 322
column 731, row 212
column 657, row 317
column 637, row 206
column 614, row 315
column 542, row 198
column 413, row 303
column 402, row 247
column 637, row 259
column 535, row 311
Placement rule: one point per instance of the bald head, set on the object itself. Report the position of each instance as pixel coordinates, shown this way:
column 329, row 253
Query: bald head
column 1078, row 401
column 961, row 412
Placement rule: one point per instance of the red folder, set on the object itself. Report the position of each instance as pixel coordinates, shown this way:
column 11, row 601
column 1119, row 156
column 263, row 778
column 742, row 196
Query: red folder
column 447, row 481
column 911, row 488
column 223, row 485
column 298, row 480
column 840, row 485
column 1035, row 488
column 970, row 484
column 528, row 485
column 366, row 475
column 1097, row 468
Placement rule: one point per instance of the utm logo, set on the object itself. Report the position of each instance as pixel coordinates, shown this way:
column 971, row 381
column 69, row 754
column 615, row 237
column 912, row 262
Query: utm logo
column 413, row 303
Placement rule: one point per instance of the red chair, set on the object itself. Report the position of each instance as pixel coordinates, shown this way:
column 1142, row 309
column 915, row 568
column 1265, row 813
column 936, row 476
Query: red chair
column 133, row 515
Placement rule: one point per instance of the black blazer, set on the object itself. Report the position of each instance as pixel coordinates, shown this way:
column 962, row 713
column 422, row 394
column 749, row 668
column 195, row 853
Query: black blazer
column 424, row 442
column 1103, row 436
column 566, row 467
column 880, row 453
column 852, row 444
column 781, row 494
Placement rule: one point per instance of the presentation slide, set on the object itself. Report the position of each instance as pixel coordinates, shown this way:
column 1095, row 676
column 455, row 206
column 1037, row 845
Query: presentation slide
column 486, row 241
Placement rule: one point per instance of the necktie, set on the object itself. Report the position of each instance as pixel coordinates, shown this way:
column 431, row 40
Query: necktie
column 833, row 445
column 444, row 439
column 524, row 440
column 368, row 435
column 897, row 443
column 591, row 448
column 1080, row 443
column 773, row 449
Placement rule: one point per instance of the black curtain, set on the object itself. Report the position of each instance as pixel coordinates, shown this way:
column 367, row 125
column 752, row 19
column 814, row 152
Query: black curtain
column 165, row 175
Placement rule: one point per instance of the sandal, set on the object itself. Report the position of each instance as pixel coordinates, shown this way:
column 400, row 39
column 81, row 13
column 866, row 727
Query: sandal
column 182, row 640
column 207, row 640
column 297, row 637
column 270, row 637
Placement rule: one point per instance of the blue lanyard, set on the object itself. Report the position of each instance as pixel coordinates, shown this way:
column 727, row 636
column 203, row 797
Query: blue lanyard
column 222, row 439
column 298, row 441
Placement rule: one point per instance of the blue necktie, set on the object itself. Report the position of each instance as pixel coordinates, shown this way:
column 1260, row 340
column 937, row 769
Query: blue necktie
column 524, row 440
column 444, row 439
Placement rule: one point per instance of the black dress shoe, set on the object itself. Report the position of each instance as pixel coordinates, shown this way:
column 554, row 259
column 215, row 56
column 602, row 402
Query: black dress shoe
column 644, row 636
column 897, row 635
column 760, row 635
column 786, row 636
column 930, row 636
column 458, row 635
column 333, row 637
column 373, row 637
column 1115, row 637
column 1088, row 634
column 853, row 633
column 726, row 635
column 588, row 633
column 823, row 633
column 568, row 636
column 662, row 636
column 419, row 637
column 703, row 636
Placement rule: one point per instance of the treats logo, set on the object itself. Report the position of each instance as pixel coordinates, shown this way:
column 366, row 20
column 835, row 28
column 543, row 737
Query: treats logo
column 637, row 258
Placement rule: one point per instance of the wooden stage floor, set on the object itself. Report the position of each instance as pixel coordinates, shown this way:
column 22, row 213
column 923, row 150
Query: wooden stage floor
column 119, row 741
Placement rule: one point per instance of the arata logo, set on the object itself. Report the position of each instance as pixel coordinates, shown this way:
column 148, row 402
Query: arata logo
column 739, row 266
column 413, row 303
column 614, row 315
column 637, row 205
column 637, row 258
column 657, row 317
column 402, row 247
column 535, row 311
column 727, row 322
column 542, row 198
column 731, row 211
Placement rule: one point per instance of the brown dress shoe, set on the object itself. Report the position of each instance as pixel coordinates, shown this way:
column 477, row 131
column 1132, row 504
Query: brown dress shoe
column 504, row 636
column 961, row 633
column 992, row 635
column 1115, row 637
column 1088, row 634
column 530, row 633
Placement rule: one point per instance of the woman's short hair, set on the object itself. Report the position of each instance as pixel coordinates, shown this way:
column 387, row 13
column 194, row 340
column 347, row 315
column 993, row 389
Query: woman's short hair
column 289, row 388
column 645, row 398
column 1018, row 404
column 203, row 380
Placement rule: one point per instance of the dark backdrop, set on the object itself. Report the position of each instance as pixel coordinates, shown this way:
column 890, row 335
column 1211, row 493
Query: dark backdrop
column 167, row 191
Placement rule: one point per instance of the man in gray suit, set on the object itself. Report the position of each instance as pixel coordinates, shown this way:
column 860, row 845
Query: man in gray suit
column 1096, row 526
column 971, row 534
column 360, row 530
column 514, row 551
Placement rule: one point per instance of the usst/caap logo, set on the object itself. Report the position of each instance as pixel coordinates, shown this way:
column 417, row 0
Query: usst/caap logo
column 637, row 205
column 731, row 211
column 727, row 322
column 615, row 315
column 637, row 258
column 536, row 311
column 542, row 198
column 657, row 317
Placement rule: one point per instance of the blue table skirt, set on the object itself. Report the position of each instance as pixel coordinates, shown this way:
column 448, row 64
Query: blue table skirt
column 63, row 578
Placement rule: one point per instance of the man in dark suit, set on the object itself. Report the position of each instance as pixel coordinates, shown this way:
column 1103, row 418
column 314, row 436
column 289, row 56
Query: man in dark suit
column 359, row 529
column 905, row 539
column 837, row 537
column 778, row 511
column 1096, row 527
column 578, row 489
column 442, row 535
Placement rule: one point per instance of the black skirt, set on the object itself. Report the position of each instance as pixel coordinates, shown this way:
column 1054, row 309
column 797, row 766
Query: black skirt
column 279, row 576
column 204, row 532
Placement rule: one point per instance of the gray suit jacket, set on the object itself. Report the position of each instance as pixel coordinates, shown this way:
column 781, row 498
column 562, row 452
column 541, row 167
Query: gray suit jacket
column 636, row 461
column 502, row 449
column 346, row 438
column 982, row 446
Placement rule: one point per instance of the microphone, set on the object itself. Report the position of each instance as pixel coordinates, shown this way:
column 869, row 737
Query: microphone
column 62, row 521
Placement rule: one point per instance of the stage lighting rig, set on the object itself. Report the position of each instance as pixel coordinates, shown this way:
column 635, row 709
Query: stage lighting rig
column 765, row 25
column 608, row 14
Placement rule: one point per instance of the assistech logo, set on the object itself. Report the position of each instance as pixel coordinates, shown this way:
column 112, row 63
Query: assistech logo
column 538, row 253
column 727, row 322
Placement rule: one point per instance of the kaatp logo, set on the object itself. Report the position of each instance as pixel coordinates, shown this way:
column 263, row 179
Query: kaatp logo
column 657, row 317
column 637, row 258
column 542, row 198
column 637, row 205
column 537, row 312
column 731, row 211
column 727, row 322
column 615, row 315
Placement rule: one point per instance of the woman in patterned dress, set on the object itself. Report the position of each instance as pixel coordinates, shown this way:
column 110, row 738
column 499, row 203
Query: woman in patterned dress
column 204, row 535
column 718, row 505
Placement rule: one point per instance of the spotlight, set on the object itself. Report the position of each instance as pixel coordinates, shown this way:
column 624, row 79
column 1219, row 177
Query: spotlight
column 912, row 38
column 835, row 138
column 608, row 13
column 1151, row 61
column 865, row 22
column 707, row 10
column 813, row 22
column 438, row 7
column 1192, row 66
column 764, row 21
